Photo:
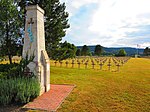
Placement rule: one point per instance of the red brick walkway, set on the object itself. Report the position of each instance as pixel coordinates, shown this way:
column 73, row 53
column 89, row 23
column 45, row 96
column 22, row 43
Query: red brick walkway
column 51, row 100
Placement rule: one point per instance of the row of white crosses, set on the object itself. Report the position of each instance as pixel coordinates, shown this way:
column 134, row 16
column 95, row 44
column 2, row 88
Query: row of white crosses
column 108, row 61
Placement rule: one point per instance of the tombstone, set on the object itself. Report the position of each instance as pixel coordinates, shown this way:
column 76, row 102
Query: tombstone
column 60, row 63
column 79, row 64
column 55, row 62
column 34, row 45
column 82, row 61
column 109, row 65
column 93, row 64
column 86, row 63
column 101, row 64
column 118, row 66
column 67, row 64
column 72, row 63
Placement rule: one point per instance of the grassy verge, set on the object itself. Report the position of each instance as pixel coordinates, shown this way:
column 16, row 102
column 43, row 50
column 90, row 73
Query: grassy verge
column 104, row 91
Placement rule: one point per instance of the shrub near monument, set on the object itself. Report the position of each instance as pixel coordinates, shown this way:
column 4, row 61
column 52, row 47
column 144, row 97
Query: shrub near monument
column 17, row 86
column 18, row 90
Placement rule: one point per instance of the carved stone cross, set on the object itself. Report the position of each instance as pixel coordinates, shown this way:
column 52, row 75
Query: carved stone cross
column 31, row 21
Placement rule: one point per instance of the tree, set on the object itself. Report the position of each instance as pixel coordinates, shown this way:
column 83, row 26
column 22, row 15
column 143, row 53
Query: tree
column 121, row 52
column 98, row 50
column 66, row 50
column 56, row 22
column 78, row 53
column 146, row 51
column 9, row 28
column 85, row 51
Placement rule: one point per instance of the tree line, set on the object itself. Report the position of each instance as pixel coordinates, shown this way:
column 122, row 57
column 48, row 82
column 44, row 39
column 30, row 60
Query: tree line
column 98, row 51
column 85, row 51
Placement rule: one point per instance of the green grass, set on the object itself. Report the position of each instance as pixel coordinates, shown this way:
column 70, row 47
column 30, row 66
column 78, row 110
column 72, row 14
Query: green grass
column 104, row 91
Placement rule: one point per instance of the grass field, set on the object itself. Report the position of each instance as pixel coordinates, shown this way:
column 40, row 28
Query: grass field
column 102, row 90
column 105, row 91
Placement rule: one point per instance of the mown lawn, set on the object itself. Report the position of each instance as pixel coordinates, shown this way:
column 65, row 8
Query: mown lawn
column 104, row 91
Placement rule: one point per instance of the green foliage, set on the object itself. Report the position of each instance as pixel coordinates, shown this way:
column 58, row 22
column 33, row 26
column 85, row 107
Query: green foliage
column 9, row 28
column 85, row 51
column 121, row 52
column 20, row 90
column 20, row 69
column 98, row 50
column 55, row 25
column 5, row 69
column 146, row 51
column 108, row 54
column 66, row 50
column 78, row 53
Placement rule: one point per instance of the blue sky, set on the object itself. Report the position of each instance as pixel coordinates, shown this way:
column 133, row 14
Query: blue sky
column 110, row 23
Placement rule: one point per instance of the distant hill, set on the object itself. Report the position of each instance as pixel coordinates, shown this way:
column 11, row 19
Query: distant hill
column 113, row 50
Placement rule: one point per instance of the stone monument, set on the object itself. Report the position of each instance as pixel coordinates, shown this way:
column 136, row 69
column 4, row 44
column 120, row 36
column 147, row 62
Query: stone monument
column 34, row 45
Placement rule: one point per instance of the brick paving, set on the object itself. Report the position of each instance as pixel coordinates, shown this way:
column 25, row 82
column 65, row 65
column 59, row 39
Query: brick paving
column 51, row 100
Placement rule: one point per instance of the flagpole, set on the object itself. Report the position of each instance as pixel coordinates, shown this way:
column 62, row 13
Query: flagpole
column 137, row 50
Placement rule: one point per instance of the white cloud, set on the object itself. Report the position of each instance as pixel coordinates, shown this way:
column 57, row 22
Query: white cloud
column 117, row 17
column 109, row 23
column 113, row 16
column 146, row 44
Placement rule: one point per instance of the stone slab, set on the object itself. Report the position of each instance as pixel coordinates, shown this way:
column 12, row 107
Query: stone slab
column 51, row 100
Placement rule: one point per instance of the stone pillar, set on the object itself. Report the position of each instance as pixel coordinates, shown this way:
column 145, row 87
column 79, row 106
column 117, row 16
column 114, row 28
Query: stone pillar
column 34, row 45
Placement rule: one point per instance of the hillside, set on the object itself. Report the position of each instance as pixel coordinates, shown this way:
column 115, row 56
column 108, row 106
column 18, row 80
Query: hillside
column 112, row 50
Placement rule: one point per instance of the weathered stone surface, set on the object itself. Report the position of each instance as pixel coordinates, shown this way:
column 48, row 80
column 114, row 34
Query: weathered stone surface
column 34, row 45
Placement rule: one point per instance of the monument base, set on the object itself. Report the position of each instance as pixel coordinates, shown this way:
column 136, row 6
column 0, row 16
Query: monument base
column 44, row 89
column 47, row 88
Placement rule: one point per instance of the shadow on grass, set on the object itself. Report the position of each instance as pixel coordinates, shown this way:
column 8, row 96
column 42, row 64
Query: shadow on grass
column 12, row 108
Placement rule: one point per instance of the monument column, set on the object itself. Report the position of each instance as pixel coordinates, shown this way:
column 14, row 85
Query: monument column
column 34, row 45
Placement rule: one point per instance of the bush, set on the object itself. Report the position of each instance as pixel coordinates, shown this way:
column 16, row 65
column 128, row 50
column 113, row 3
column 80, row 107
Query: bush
column 121, row 53
column 16, row 69
column 19, row 90
column 7, row 67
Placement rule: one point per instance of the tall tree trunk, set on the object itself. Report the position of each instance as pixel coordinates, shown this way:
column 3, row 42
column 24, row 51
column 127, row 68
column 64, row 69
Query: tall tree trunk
column 10, row 58
column 8, row 44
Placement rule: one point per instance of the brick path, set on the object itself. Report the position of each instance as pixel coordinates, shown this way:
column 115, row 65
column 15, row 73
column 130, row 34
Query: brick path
column 51, row 100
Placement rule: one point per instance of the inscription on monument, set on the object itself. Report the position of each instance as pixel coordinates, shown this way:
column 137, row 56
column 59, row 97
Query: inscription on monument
column 29, row 30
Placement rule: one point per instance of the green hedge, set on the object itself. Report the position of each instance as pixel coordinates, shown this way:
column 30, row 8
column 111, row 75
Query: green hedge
column 8, row 70
column 7, row 67
column 19, row 90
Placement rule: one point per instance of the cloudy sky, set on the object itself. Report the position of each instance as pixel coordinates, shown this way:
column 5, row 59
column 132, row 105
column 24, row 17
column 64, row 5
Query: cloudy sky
column 110, row 23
